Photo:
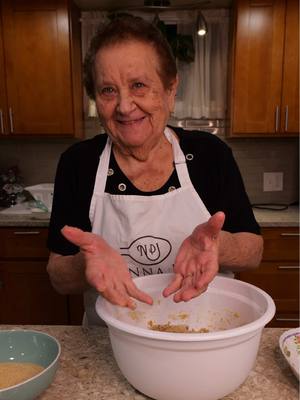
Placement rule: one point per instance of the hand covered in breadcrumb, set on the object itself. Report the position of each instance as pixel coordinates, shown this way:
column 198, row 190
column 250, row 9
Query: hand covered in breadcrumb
column 196, row 263
column 105, row 269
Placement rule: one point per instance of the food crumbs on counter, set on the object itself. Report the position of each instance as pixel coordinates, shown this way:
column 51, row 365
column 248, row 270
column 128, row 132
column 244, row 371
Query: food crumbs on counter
column 12, row 373
column 286, row 351
column 297, row 342
column 174, row 328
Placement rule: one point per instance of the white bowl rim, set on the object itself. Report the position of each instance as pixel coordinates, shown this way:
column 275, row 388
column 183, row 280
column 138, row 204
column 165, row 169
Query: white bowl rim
column 251, row 327
column 44, row 370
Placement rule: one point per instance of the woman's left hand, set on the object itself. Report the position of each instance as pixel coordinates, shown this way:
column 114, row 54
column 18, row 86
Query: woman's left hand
column 196, row 263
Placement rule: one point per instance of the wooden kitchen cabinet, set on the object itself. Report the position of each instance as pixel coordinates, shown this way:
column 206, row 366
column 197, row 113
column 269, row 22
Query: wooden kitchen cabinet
column 264, row 93
column 290, row 81
column 278, row 274
column 26, row 293
column 3, row 99
column 40, row 68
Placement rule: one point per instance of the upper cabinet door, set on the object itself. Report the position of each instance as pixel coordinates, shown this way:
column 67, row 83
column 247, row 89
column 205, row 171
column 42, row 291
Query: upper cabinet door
column 290, row 88
column 259, row 40
column 39, row 80
column 3, row 101
column 264, row 44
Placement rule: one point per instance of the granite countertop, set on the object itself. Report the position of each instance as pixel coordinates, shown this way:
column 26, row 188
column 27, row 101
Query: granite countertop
column 25, row 220
column 265, row 218
column 88, row 371
column 272, row 218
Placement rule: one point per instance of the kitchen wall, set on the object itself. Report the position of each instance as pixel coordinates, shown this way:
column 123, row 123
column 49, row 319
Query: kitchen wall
column 37, row 160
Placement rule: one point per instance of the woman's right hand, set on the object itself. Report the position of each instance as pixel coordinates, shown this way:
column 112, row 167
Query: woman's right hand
column 105, row 269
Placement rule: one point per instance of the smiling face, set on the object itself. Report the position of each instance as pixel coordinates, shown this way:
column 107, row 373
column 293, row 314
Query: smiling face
column 132, row 102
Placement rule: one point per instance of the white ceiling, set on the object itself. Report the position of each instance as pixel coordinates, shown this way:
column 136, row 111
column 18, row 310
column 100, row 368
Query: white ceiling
column 121, row 4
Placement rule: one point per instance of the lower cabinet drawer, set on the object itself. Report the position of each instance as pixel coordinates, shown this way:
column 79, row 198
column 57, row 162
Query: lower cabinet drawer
column 279, row 280
column 287, row 313
column 281, row 244
column 27, row 296
column 26, row 293
column 23, row 243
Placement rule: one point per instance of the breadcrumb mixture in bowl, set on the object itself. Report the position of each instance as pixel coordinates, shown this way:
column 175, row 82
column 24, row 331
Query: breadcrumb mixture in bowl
column 12, row 373
column 28, row 363
column 174, row 328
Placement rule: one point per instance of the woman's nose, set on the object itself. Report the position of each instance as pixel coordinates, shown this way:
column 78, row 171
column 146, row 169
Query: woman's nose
column 125, row 103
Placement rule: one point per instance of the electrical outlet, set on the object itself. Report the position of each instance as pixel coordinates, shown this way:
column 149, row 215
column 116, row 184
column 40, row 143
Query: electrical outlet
column 273, row 181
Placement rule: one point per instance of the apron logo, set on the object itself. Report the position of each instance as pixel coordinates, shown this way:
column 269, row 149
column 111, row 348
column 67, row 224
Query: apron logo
column 148, row 250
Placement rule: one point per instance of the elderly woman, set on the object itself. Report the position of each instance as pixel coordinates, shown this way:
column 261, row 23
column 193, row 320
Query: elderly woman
column 138, row 200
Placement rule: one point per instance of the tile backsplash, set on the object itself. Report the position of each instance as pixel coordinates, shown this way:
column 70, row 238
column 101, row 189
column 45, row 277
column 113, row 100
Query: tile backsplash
column 256, row 156
column 37, row 160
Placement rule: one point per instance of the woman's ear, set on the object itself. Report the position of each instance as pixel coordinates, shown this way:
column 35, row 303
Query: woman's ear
column 172, row 93
column 174, row 85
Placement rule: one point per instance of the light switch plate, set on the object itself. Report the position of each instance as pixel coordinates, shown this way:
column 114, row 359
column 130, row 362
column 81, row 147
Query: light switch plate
column 273, row 181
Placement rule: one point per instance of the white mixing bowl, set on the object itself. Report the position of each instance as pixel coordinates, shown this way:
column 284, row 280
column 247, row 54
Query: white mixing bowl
column 191, row 366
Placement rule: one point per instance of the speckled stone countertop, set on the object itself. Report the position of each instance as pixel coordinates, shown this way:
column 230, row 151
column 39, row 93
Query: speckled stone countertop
column 25, row 220
column 266, row 218
column 271, row 218
column 88, row 371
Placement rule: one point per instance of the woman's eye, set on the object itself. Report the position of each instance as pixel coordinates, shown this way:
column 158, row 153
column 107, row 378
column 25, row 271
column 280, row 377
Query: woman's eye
column 138, row 85
column 108, row 91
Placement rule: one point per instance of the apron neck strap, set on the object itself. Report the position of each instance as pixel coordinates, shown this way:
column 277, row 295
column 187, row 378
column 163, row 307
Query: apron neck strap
column 179, row 159
column 103, row 166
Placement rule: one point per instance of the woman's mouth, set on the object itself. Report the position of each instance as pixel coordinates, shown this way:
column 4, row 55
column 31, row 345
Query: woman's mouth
column 130, row 121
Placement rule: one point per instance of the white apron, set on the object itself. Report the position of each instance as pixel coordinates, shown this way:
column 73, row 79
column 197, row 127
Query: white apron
column 146, row 230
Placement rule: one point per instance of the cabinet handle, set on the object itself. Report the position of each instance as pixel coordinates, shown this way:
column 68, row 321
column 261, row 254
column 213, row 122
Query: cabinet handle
column 287, row 319
column 26, row 233
column 11, row 119
column 286, row 121
column 276, row 118
column 1, row 122
column 288, row 267
column 290, row 234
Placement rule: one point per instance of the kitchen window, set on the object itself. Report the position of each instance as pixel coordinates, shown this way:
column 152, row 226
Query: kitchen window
column 202, row 91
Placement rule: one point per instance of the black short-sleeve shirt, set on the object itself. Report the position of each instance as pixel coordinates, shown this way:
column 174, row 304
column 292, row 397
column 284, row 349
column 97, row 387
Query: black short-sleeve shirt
column 211, row 165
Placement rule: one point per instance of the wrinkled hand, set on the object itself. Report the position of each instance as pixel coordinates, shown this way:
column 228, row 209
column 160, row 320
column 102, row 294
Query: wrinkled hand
column 196, row 263
column 105, row 269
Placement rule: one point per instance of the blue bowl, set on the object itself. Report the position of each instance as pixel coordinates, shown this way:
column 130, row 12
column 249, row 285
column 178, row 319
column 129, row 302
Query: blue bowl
column 34, row 347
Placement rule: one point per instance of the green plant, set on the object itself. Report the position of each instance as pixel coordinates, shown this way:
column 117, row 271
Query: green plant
column 181, row 45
